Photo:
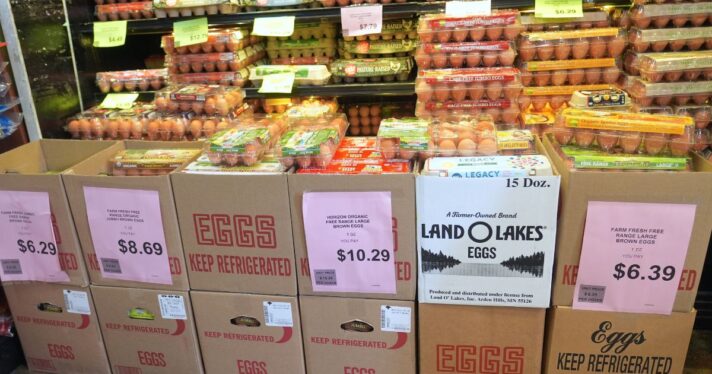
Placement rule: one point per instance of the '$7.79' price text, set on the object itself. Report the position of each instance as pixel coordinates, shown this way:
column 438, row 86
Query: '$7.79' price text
column 129, row 246
column 362, row 255
column 42, row 248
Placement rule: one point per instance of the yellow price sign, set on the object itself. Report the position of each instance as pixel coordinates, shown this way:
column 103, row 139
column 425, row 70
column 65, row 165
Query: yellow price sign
column 190, row 32
column 273, row 26
column 558, row 9
column 119, row 100
column 109, row 34
column 277, row 83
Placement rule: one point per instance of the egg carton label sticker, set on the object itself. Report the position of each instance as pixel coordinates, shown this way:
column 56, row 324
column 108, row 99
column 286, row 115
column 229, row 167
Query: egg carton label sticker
column 172, row 307
column 395, row 318
column 277, row 314
column 497, row 251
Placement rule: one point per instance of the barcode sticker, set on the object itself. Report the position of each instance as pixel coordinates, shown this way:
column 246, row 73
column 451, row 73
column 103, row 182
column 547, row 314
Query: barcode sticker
column 172, row 307
column 111, row 265
column 11, row 267
column 591, row 294
column 395, row 318
column 278, row 314
column 76, row 302
column 325, row 277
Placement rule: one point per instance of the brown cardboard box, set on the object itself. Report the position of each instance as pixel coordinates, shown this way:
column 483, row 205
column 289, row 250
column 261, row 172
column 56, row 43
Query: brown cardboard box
column 89, row 173
column 237, row 232
column 235, row 336
column 346, row 336
column 402, row 188
column 580, row 187
column 472, row 339
column 585, row 341
column 35, row 167
column 54, row 335
column 144, row 335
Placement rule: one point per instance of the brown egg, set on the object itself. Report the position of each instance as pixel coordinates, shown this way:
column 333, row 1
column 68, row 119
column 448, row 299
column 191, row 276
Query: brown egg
column 424, row 91
column 579, row 49
column 136, row 129
column 654, row 143
column 124, row 129
column 364, row 111
column 456, row 60
column 487, row 146
column 662, row 21
column 680, row 145
column 701, row 140
column 467, row 147
column 558, row 77
column 557, row 101
column 512, row 90
column 539, row 102
column 544, row 52
column 656, row 46
column 74, row 128
column 493, row 90
column 353, row 111
column 152, row 129
column 221, row 106
column 184, row 106
column 197, row 107
column 611, row 74
column 178, row 130
column 441, row 92
column 663, row 100
column 439, row 60
column 489, row 59
column 695, row 44
column 443, row 36
column 597, row 48
column 542, row 78
column 375, row 110
column 493, row 113
column 477, row 34
column 527, row 50
column 593, row 75
column 700, row 99
column 682, row 99
column 676, row 45
column 673, row 76
column 562, row 51
column 576, row 76
column 607, row 140
column 422, row 59
column 506, row 58
column 458, row 92
column 97, row 128
column 691, row 75
column 476, row 91
column 526, row 77
column 698, row 20
column 447, row 148
column 584, row 137
column 494, row 32
column 563, row 135
column 459, row 35
column 524, row 102
column 209, row 128
column 512, row 31
column 702, row 118
column 510, row 115
column 473, row 59
column 641, row 22
column 630, row 142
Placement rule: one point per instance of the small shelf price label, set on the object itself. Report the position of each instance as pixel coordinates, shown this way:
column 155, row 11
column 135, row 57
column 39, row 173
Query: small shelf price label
column 362, row 20
column 119, row 100
column 273, row 26
column 277, row 83
column 558, row 9
column 109, row 34
column 190, row 32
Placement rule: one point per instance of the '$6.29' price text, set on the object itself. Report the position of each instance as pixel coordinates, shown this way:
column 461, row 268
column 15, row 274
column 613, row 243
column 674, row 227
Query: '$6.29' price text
column 147, row 248
column 633, row 272
column 42, row 248
column 361, row 255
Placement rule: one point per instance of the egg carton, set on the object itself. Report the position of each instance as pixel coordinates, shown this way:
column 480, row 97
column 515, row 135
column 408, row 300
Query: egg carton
column 500, row 25
column 300, row 61
column 572, row 44
column 625, row 132
column 150, row 162
column 677, row 39
column 667, row 110
column 552, row 97
column 342, row 3
column 260, row 5
column 676, row 66
column 701, row 114
column 376, row 48
column 311, row 141
column 398, row 29
column 225, row 40
column 101, row 2
column 465, row 54
column 387, row 69
column 594, row 159
column 214, row 62
column 677, row 93
column 199, row 99
column 570, row 72
column 283, row 104
column 674, row 15
column 305, row 75
column 311, row 30
column 442, row 85
column 595, row 18
column 100, row 123
column 228, row 78
column 631, row 62
column 124, row 11
column 365, row 118
column 131, row 80
column 192, row 8
column 501, row 111
column 247, row 143
column 301, row 48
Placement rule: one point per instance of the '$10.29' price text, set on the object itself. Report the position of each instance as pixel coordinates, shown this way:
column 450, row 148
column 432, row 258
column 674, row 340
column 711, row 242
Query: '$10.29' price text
column 129, row 246
column 42, row 248
column 362, row 255
column 633, row 272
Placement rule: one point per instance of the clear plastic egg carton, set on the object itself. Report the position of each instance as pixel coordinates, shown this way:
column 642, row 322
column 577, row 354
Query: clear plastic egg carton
column 500, row 25
column 341, row 3
column 205, row 126
column 262, row 5
column 150, row 162
column 570, row 72
column 676, row 66
column 283, row 104
column 131, row 80
column 377, row 48
column 124, row 11
column 572, row 44
column 594, row 18
column 224, row 40
column 311, row 141
column 398, row 29
column 192, row 8
column 501, row 110
column 660, row 16
column 625, row 132
column 387, row 69
column 675, row 93
column 214, row 62
column 311, row 30
column 465, row 54
column 403, row 138
column 100, row 123
column 247, row 143
column 552, row 97
column 300, row 61
column 666, row 110
column 701, row 114
column 200, row 99
column 323, row 47
column 228, row 78
column 677, row 39
column 631, row 62
column 442, row 85
column 304, row 75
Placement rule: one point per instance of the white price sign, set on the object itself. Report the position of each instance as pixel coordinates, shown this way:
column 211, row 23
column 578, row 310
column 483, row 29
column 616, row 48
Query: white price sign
column 362, row 20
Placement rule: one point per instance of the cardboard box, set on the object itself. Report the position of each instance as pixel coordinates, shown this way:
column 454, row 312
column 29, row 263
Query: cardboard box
column 148, row 331
column 36, row 167
column 402, row 188
column 91, row 172
column 580, row 187
column 474, row 339
column 58, row 328
column 358, row 336
column 585, row 341
column 237, row 232
column 248, row 334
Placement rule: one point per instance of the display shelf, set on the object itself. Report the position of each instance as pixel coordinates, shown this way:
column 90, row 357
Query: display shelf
column 345, row 89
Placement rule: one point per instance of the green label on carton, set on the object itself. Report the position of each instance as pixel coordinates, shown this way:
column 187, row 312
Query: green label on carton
column 558, row 9
column 301, row 142
column 592, row 159
column 109, row 34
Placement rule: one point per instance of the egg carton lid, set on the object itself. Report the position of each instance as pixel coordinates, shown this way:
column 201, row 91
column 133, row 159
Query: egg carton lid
column 488, row 166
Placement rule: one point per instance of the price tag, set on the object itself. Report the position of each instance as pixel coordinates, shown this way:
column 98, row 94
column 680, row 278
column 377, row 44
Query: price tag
column 395, row 318
column 273, row 26
column 558, row 8
column 468, row 8
column 77, row 302
column 278, row 314
column 361, row 20
column 349, row 239
column 127, row 234
column 109, row 34
column 190, row 32
column 632, row 256
column 28, row 249
column 119, row 100
column 172, row 307
column 277, row 83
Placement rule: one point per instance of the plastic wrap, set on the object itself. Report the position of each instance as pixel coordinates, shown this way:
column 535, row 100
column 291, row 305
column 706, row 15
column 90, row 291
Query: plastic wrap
column 572, row 44
column 500, row 110
column 199, row 99
column 247, row 143
column 470, row 83
column 131, row 80
column 570, row 72
column 224, row 40
column 311, row 141
column 678, row 93
column 672, row 15
column 500, row 25
column 591, row 19
column 386, row 69
column 676, row 66
column 465, row 54
column 659, row 40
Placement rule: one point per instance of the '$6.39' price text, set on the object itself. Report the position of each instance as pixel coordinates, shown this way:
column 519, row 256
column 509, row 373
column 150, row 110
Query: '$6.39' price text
column 42, row 248
column 633, row 272
column 362, row 255
column 129, row 246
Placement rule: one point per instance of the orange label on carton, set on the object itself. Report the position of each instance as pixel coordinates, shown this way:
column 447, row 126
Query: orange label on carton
column 571, row 34
column 562, row 90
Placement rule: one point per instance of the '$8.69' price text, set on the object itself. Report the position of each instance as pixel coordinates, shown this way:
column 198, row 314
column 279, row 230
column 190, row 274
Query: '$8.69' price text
column 361, row 255
column 147, row 248
column 633, row 272
column 42, row 248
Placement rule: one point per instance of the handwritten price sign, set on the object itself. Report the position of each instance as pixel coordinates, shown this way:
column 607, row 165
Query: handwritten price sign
column 190, row 32
column 362, row 20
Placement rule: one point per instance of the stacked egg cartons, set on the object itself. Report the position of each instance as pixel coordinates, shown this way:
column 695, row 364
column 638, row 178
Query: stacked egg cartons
column 557, row 59
column 223, row 59
column 122, row 10
column 131, row 80
column 111, row 124
column 365, row 118
column 671, row 50
column 382, row 57
column 192, row 8
column 260, row 5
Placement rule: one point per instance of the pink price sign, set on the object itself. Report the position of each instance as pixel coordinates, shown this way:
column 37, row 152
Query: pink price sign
column 632, row 256
column 127, row 234
column 350, row 241
column 28, row 249
column 361, row 20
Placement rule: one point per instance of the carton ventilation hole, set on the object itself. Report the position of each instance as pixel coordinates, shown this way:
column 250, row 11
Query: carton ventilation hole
column 245, row 321
column 49, row 307
column 357, row 326
column 141, row 313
